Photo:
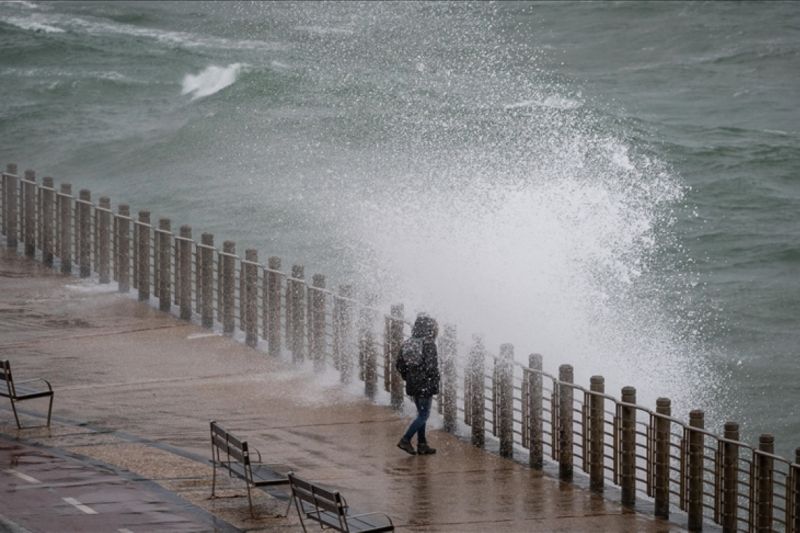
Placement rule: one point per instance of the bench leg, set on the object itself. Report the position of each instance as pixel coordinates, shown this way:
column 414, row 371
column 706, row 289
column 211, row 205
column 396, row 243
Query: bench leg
column 16, row 416
column 50, row 410
column 250, row 501
column 299, row 512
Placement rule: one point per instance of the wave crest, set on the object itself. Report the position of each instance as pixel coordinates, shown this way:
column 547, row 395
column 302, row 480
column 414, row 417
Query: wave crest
column 210, row 81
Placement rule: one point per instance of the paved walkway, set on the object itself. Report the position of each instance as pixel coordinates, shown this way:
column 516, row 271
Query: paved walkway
column 135, row 390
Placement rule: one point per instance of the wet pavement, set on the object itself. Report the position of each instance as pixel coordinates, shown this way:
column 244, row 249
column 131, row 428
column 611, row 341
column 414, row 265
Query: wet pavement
column 135, row 390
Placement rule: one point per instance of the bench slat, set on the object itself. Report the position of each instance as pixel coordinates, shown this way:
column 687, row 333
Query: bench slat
column 371, row 523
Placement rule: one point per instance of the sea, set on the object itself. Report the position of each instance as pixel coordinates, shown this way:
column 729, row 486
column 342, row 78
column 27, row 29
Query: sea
column 614, row 185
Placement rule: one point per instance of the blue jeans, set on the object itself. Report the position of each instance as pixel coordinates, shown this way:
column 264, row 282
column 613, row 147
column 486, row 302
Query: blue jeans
column 418, row 425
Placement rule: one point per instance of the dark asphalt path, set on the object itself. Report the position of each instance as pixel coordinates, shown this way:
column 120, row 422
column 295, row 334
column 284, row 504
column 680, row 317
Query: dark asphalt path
column 44, row 490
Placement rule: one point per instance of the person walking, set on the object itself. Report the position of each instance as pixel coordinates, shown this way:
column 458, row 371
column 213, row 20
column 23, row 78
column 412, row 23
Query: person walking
column 418, row 364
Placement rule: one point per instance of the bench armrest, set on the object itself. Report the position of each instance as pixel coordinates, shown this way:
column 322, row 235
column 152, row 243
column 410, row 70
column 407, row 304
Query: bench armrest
column 254, row 449
column 49, row 387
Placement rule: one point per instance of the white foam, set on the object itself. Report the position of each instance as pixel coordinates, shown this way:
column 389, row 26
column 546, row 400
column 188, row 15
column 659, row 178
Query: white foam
column 31, row 24
column 324, row 30
column 21, row 3
column 552, row 101
column 211, row 80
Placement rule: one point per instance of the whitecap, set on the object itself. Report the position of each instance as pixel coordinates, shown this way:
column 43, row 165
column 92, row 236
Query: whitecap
column 322, row 30
column 211, row 80
column 32, row 24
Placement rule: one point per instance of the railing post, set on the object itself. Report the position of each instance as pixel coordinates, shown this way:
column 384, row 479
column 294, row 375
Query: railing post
column 476, row 370
column 206, row 294
column 596, row 429
column 298, row 312
column 11, row 212
column 123, row 263
column 662, row 429
column 184, row 289
column 628, row 447
column 447, row 352
column 794, row 518
column 84, row 233
column 343, row 332
column 47, row 221
column 764, row 469
column 228, row 287
column 249, row 296
column 274, row 306
column 730, row 478
column 506, row 398
column 177, row 270
column 103, row 237
column 4, row 188
column 143, row 256
column 30, row 213
column 317, row 326
column 164, row 264
column 695, row 470
column 65, row 227
column 535, row 412
column 565, row 433
column 395, row 342
column 368, row 351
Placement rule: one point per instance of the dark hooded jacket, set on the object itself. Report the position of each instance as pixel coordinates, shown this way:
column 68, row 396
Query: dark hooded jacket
column 422, row 380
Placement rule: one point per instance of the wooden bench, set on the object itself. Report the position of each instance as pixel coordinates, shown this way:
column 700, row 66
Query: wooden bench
column 233, row 454
column 23, row 390
column 329, row 508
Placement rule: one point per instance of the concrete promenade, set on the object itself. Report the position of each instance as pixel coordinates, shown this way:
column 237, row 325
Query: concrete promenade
column 135, row 390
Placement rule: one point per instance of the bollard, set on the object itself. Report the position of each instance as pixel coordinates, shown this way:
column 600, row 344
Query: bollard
column 317, row 325
column 506, row 399
column 695, row 485
column 103, row 214
column 11, row 204
column 220, row 285
column 794, row 520
column 764, row 473
column 84, row 232
column 143, row 255
column 596, row 428
column 47, row 221
column 627, row 440
column 476, row 370
column 368, row 351
column 198, row 277
column 565, row 429
column 177, row 270
column 123, row 247
column 535, row 413
column 447, row 350
column 343, row 332
column 29, row 188
column 396, row 383
column 228, row 286
column 65, row 227
column 298, row 312
column 135, row 254
column 662, row 460
column 250, row 297
column 163, row 264
column 274, row 306
column 730, row 478
column 184, row 289
column 206, row 253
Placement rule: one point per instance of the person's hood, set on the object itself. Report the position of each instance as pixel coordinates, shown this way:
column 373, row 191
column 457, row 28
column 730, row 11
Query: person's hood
column 425, row 327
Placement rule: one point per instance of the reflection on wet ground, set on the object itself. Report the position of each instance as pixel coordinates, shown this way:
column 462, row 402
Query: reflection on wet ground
column 136, row 389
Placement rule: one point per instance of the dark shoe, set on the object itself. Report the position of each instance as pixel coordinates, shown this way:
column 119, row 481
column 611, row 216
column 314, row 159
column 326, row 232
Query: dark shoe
column 424, row 449
column 406, row 446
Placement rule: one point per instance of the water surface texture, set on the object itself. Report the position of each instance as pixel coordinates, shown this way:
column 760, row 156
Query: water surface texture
column 614, row 185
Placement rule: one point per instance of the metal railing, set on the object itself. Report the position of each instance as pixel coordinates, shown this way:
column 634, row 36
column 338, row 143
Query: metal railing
column 617, row 442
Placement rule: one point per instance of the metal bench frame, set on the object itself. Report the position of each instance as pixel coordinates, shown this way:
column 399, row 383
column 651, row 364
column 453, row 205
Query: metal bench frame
column 20, row 390
column 329, row 508
column 237, row 462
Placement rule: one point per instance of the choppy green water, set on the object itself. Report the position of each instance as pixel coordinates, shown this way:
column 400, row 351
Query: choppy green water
column 612, row 184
